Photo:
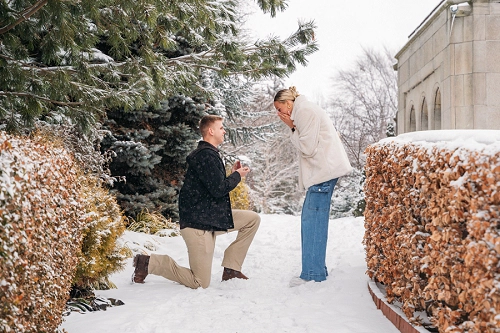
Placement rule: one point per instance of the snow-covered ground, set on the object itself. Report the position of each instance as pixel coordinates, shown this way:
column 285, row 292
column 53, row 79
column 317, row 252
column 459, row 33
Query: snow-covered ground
column 264, row 303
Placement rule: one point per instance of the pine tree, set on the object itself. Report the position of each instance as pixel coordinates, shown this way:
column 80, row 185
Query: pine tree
column 140, row 68
column 77, row 59
column 150, row 148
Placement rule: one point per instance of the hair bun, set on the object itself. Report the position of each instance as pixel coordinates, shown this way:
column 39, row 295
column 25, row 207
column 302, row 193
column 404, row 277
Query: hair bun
column 294, row 91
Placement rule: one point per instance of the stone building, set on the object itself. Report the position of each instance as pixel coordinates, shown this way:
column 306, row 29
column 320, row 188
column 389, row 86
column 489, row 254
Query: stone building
column 449, row 70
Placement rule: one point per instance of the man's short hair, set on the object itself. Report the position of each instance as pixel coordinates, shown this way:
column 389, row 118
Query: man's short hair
column 206, row 122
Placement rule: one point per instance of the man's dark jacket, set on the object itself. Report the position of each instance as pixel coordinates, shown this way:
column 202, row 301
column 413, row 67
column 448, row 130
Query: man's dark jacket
column 204, row 198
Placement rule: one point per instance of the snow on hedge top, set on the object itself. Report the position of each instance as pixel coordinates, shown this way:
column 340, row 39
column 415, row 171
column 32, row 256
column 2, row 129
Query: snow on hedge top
column 487, row 141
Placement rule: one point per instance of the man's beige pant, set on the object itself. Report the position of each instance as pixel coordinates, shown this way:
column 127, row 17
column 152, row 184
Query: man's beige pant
column 200, row 245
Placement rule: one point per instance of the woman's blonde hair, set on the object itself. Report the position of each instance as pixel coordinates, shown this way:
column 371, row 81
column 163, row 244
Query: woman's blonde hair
column 286, row 94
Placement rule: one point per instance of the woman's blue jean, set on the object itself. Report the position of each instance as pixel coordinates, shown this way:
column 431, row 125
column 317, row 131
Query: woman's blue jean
column 314, row 230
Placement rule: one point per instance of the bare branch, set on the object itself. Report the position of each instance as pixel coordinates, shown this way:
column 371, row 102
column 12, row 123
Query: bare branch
column 366, row 103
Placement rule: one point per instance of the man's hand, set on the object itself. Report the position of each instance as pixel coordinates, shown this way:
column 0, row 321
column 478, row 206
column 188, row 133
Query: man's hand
column 243, row 171
column 236, row 166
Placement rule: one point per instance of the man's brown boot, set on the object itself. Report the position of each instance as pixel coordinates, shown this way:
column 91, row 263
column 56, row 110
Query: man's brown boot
column 229, row 274
column 141, row 263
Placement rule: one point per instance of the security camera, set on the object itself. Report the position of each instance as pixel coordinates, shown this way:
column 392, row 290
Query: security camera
column 461, row 9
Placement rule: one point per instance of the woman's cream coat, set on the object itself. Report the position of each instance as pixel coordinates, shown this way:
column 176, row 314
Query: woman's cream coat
column 321, row 154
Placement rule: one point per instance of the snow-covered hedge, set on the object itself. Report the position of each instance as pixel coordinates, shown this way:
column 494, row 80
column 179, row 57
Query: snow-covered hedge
column 432, row 224
column 41, row 223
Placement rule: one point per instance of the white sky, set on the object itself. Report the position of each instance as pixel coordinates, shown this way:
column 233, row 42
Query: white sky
column 344, row 28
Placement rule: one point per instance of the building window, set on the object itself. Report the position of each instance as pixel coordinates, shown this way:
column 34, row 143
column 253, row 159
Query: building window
column 425, row 116
column 413, row 121
column 437, row 110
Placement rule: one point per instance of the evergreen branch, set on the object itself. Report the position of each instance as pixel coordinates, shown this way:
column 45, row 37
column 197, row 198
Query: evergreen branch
column 22, row 63
column 70, row 69
column 37, row 66
column 272, row 6
column 189, row 58
column 42, row 68
column 125, row 54
column 277, row 71
column 24, row 15
column 41, row 98
column 193, row 60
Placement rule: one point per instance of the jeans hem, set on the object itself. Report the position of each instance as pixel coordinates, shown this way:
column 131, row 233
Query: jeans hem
column 316, row 278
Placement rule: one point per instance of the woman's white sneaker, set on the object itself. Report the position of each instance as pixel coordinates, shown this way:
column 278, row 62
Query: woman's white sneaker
column 296, row 281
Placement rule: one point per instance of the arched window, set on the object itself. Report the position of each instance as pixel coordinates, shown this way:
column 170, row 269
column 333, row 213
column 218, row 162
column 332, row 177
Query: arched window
column 437, row 110
column 425, row 116
column 413, row 121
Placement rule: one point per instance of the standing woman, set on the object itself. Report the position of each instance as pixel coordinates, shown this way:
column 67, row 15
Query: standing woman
column 322, row 160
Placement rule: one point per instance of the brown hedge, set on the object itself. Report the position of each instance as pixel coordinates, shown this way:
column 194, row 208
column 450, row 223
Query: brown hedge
column 433, row 231
column 40, row 233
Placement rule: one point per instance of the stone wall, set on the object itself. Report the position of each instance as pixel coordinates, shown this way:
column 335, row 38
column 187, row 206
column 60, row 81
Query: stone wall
column 449, row 71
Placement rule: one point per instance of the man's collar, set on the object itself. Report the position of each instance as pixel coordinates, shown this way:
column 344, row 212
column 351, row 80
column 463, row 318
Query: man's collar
column 203, row 143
